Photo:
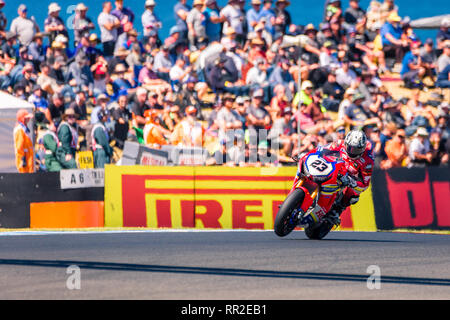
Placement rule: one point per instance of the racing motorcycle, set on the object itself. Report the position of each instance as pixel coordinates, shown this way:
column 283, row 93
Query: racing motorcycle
column 322, row 179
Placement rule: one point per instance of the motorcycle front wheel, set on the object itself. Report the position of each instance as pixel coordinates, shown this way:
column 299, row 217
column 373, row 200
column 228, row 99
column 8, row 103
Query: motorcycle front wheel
column 285, row 222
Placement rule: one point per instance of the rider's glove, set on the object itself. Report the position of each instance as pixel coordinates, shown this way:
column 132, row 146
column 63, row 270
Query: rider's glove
column 348, row 181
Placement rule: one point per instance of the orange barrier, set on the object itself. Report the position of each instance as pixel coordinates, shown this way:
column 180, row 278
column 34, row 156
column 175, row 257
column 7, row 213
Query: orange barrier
column 206, row 197
column 76, row 214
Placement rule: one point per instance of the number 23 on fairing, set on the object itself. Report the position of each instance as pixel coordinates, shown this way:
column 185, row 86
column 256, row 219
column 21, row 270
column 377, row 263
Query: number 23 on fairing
column 318, row 166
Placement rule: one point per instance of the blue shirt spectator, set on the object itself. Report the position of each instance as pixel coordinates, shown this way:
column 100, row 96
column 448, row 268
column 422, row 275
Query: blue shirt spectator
column 181, row 9
column 388, row 28
column 410, row 58
column 253, row 15
column 267, row 14
column 212, row 29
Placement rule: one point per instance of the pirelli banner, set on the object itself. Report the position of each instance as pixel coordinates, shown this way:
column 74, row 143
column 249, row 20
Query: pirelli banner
column 206, row 197
column 414, row 198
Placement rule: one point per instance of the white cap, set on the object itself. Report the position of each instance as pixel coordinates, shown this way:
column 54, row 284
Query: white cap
column 53, row 7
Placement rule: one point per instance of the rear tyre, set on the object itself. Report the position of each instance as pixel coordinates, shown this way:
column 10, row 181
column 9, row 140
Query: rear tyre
column 284, row 221
column 318, row 231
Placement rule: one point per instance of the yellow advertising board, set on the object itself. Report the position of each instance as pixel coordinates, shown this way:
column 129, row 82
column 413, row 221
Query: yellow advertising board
column 196, row 197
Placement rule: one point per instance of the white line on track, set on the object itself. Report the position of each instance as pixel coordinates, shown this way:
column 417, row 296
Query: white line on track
column 59, row 232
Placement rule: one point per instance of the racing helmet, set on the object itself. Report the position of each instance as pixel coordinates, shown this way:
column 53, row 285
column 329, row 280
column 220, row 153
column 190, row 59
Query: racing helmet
column 355, row 143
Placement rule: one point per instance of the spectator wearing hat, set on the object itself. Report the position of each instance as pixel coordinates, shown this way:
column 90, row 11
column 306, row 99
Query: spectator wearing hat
column 25, row 28
column 52, row 147
column 189, row 95
column 102, row 101
column 7, row 48
column 154, row 133
column 325, row 34
column 101, row 149
column 391, row 35
column 282, row 17
column 150, row 21
column 53, row 24
column 328, row 61
column 223, row 77
column 189, row 132
column 252, row 14
column 109, row 24
column 82, row 24
column 420, row 149
column 120, row 57
column 87, row 46
column 228, row 118
column 257, row 50
column 305, row 95
column 68, row 136
column 196, row 23
column 23, row 143
column 36, row 51
column 121, row 81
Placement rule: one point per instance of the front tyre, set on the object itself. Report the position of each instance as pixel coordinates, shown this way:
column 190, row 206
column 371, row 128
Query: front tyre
column 286, row 219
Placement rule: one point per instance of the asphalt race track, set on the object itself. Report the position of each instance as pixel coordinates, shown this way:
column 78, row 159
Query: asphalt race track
column 224, row 265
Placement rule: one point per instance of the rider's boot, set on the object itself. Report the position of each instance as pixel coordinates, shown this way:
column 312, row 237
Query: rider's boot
column 334, row 214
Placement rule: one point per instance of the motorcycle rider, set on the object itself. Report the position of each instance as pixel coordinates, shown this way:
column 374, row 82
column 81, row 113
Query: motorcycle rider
column 356, row 151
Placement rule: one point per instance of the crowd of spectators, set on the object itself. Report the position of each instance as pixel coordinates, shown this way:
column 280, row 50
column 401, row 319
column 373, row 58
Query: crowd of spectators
column 243, row 68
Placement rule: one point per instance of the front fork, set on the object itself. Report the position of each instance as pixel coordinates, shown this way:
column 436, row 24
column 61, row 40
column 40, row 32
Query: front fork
column 312, row 191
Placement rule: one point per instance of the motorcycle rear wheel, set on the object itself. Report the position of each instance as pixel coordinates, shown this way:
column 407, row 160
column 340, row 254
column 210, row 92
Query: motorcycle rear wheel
column 284, row 224
column 318, row 231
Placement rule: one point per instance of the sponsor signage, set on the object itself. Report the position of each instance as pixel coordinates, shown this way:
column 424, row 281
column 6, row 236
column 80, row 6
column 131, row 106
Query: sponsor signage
column 193, row 197
column 413, row 198
column 202, row 197
column 152, row 157
column 82, row 178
